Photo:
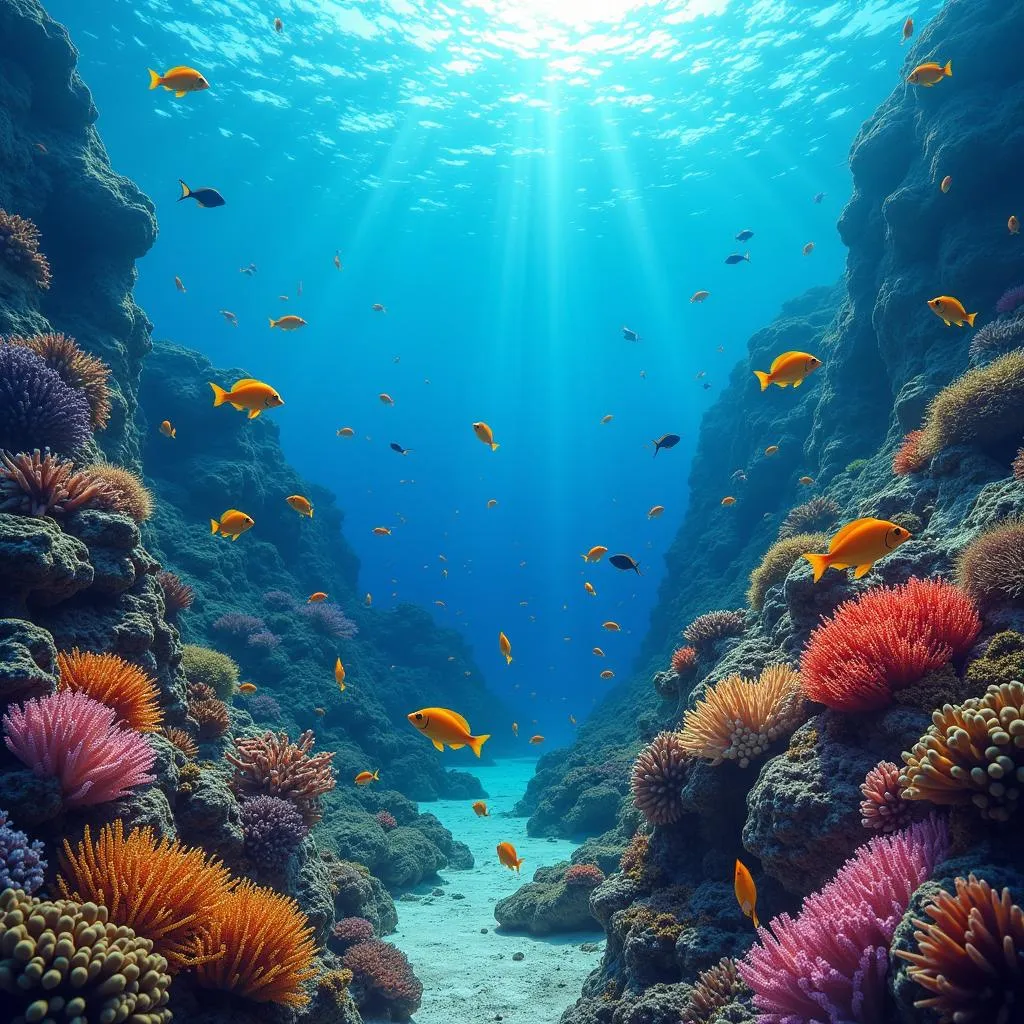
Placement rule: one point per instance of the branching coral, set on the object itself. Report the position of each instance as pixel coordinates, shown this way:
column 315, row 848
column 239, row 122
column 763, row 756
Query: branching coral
column 351, row 930
column 584, row 876
column 19, row 249
column 75, row 739
column 684, row 660
column 908, row 458
column 183, row 741
column 714, row 988
column 214, row 669
column 37, row 409
column 42, row 485
column 68, row 962
column 884, row 640
column 178, row 596
column 830, row 963
column 111, row 680
column 21, row 862
column 972, row 753
column 711, row 627
column 160, row 889
column 991, row 567
column 273, row 830
column 776, row 563
column 382, row 980
column 883, row 808
column 76, row 368
column 271, row 764
column 969, row 956
column 811, row 517
column 738, row 719
column 128, row 493
column 386, row 820
column 997, row 337
column 268, row 943
column 658, row 776
column 330, row 619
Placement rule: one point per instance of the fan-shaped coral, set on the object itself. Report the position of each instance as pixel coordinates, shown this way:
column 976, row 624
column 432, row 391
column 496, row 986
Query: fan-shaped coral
column 111, row 680
column 65, row 961
column 883, row 808
column 42, row 485
column 711, row 627
column 972, row 753
column 178, row 596
column 75, row 739
column 811, row 517
column 76, row 368
column 382, row 980
column 714, row 988
column 37, row 409
column 160, row 889
column 684, row 660
column 884, row 640
column 216, row 670
column 271, row 764
column 21, row 862
column 269, row 947
column 991, row 567
column 273, row 830
column 738, row 719
column 908, row 458
column 830, row 963
column 586, row 876
column 182, row 740
column 128, row 493
column 776, row 563
column 19, row 249
column 658, row 776
column 969, row 955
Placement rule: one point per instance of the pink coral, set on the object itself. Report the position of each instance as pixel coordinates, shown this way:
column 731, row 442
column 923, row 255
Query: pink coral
column 1011, row 299
column 382, row 980
column 882, row 807
column 386, row 820
column 831, row 962
column 351, row 930
column 587, row 876
column 73, row 738
column 908, row 458
column 884, row 640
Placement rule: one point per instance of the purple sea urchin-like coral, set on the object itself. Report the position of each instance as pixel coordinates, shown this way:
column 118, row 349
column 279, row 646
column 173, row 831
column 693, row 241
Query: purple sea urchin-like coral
column 713, row 626
column 1011, row 299
column 264, row 639
column 279, row 601
column 21, row 862
column 19, row 249
column 658, row 776
column 883, row 808
column 264, row 707
column 273, row 830
column 997, row 337
column 831, row 961
column 330, row 619
column 238, row 624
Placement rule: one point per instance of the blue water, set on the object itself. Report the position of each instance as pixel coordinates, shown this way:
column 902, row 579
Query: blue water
column 514, row 180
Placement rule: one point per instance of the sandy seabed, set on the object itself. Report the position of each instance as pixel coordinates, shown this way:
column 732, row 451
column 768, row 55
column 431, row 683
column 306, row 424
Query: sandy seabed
column 464, row 962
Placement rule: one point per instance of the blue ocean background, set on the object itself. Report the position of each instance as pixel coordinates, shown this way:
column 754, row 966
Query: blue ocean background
column 515, row 181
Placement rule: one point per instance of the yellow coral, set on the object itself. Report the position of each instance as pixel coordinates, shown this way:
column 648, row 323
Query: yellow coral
column 777, row 561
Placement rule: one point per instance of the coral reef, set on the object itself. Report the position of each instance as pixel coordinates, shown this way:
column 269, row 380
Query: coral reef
column 273, row 830
column 883, row 808
column 19, row 249
column 657, row 778
column 991, row 567
column 711, row 627
column 178, row 596
column 908, row 458
column 128, row 494
column 21, row 862
column 382, row 980
column 211, row 668
column 812, row 516
column 111, row 680
column 34, row 484
column 684, row 660
column 777, row 561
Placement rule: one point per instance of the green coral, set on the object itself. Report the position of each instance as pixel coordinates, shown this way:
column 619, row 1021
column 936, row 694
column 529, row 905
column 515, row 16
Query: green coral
column 1002, row 662
column 777, row 561
column 856, row 466
column 212, row 668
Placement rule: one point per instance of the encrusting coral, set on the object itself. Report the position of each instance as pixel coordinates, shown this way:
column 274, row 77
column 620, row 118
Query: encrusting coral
column 777, row 561
column 42, row 485
column 658, row 776
column 883, row 808
column 133, row 695
column 128, row 493
column 586, row 876
column 22, row 864
column 991, row 567
column 19, row 249
column 811, row 517
column 711, row 627
column 210, row 667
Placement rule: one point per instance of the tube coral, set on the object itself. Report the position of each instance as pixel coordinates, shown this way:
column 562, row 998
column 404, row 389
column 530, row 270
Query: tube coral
column 711, row 627
column 991, row 567
column 738, row 719
column 883, row 808
column 128, row 494
column 811, row 517
column 111, row 680
column 831, row 962
column 19, row 250
column 42, row 485
column 657, row 778
column 22, row 865
column 884, row 640
column 74, row 739
column 178, row 596
column 776, row 563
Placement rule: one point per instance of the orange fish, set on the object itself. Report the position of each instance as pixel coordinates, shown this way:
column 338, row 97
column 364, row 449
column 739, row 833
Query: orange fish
column 365, row 778
column 536, row 740
column 339, row 675
column 595, row 554
column 908, row 30
column 247, row 393
column 444, row 727
column 612, row 627
column 179, row 80
column 300, row 504
column 278, row 25
column 859, row 544
column 287, row 323
column 951, row 311
column 386, row 399
column 485, row 434
column 930, row 73
column 946, row 184
column 178, row 284
column 167, row 430
column 382, row 531
column 589, row 588
column 607, row 674
column 789, row 368
column 655, row 511
column 515, row 728
column 246, row 687
column 480, row 809
column 746, row 892
column 508, row 857
column 728, row 500
column 346, row 432
column 699, row 296
column 808, row 249
column 232, row 524
column 598, row 652
column 806, row 480
column 607, row 418
column 771, row 450
column 1013, row 224
column 505, row 646
column 316, row 598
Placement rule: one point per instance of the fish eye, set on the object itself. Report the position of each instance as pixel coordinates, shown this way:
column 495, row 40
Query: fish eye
column 419, row 717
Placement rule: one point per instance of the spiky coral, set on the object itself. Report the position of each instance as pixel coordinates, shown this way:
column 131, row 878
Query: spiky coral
column 996, row 337
column 908, row 458
column 811, row 517
column 75, row 739
column 351, row 930
column 382, row 980
column 991, row 567
column 972, row 753
column 584, row 876
column 214, row 669
column 883, row 808
column 684, row 660
column 19, row 249
column 111, row 680
column 211, row 715
column 711, row 627
column 183, row 741
column 271, row 764
column 884, row 640
column 160, row 889
column 269, row 947
column 238, row 624
column 178, row 596
column 43, row 485
column 657, row 778
column 776, row 563
column 128, row 493
column 969, row 955
column 330, row 619
column 273, row 830
column 830, row 963
column 714, row 988
column 738, row 719
column 21, row 862
column 76, row 368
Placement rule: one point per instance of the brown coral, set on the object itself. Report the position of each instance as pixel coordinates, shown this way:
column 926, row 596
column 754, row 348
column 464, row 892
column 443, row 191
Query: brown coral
column 714, row 988
column 908, row 457
column 111, row 680
column 44, row 485
column 969, row 955
column 738, row 719
column 129, row 494
column 991, row 567
column 178, row 596
column 882, row 807
column 811, row 517
column 182, row 740
column 709, row 628
column 1018, row 466
column 776, row 563
column 211, row 715
column 657, row 778
column 19, row 249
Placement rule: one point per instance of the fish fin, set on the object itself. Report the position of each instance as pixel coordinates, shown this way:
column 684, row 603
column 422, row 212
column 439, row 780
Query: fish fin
column 438, row 745
column 220, row 396
column 508, row 659
column 764, row 378
column 862, row 569
column 456, row 746
column 273, row 322
column 819, row 563
column 746, row 256
column 476, row 743
column 214, row 526
column 946, row 322
column 494, row 447
column 185, row 190
column 797, row 383
column 782, row 383
column 237, row 405
column 235, row 536
column 753, row 917
column 970, row 318
column 253, row 413
column 154, row 78
column 847, row 530
column 174, row 433
column 179, row 93
column 948, row 69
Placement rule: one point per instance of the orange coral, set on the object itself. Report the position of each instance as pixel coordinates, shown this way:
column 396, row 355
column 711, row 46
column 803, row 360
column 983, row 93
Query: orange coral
column 115, row 682
column 909, row 458
column 269, row 948
column 130, row 494
column 182, row 740
column 19, row 249
column 211, row 715
column 737, row 719
column 162, row 890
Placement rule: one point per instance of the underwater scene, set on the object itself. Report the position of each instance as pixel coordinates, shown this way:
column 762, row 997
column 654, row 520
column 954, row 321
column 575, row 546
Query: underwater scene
column 511, row 511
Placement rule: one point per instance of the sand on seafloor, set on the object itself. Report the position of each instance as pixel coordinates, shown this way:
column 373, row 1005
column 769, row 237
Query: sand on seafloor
column 469, row 976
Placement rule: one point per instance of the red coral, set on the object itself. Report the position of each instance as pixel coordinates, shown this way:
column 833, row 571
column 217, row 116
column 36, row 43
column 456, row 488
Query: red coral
column 382, row 980
column 351, row 930
column 908, row 458
column 884, row 640
column 684, row 659
column 588, row 876
column 386, row 820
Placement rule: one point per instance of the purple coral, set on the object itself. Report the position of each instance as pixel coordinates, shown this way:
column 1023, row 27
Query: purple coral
column 279, row 601
column 264, row 707
column 1011, row 299
column 21, row 862
column 264, row 639
column 329, row 618
column 273, row 830
column 386, row 820
column 997, row 337
column 238, row 624
column 37, row 409
column 831, row 962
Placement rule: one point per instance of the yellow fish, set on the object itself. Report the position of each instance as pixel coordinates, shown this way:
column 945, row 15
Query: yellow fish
column 655, row 511
column 300, row 504
column 246, row 687
column 607, row 674
column 287, row 323
column 598, row 652
column 505, row 646
column 365, row 778
column 485, row 434
column 179, row 80
column 316, row 598
column 595, row 554
column 232, row 524
column 951, row 311
column 930, row 73
column 247, row 393
column 346, row 432
column 508, row 857
column 167, row 430
column 612, row 627
column 444, row 727
column 746, row 892
column 339, row 675
column 789, row 368
column 480, row 809
column 947, row 183
column 607, row 418
column 589, row 588
column 859, row 544
column 492, row 502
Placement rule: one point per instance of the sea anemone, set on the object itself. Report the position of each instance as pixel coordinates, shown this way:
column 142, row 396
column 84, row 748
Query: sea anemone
column 883, row 808
column 738, row 719
column 42, row 485
column 128, row 494
column 211, row 715
column 711, row 627
column 182, row 740
column 657, row 778
column 584, row 876
column 213, row 668
column 684, row 660
column 351, row 930
column 111, row 680
column 776, row 563
column 22, row 865
column 884, row 640
column 178, row 596
column 811, row 517
column 908, row 458
column 382, row 980
column 714, row 988
column 997, row 337
column 991, row 567
column 238, row 624
column 1010, row 300
column 273, row 830
column 330, row 619
column 386, row 820
column 19, row 249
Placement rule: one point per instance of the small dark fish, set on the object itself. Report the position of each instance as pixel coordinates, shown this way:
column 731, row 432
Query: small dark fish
column 745, row 234
column 818, row 198
column 630, row 335
column 734, row 258
column 665, row 441
column 205, row 197
column 625, row 562
column 396, row 447
column 706, row 386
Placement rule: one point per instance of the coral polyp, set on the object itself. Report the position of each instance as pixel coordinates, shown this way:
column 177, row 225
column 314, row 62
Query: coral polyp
column 658, row 775
column 20, row 252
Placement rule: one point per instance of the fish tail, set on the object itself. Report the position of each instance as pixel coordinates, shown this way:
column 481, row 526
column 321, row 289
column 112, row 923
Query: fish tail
column 656, row 447
column 819, row 563
column 519, row 863
column 220, row 396
column 476, row 743
column 764, row 378
column 970, row 318
column 214, row 526
column 376, row 775
column 174, row 431
column 185, row 190
column 273, row 322
column 494, row 447
column 154, row 78
column 948, row 69
column 746, row 256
